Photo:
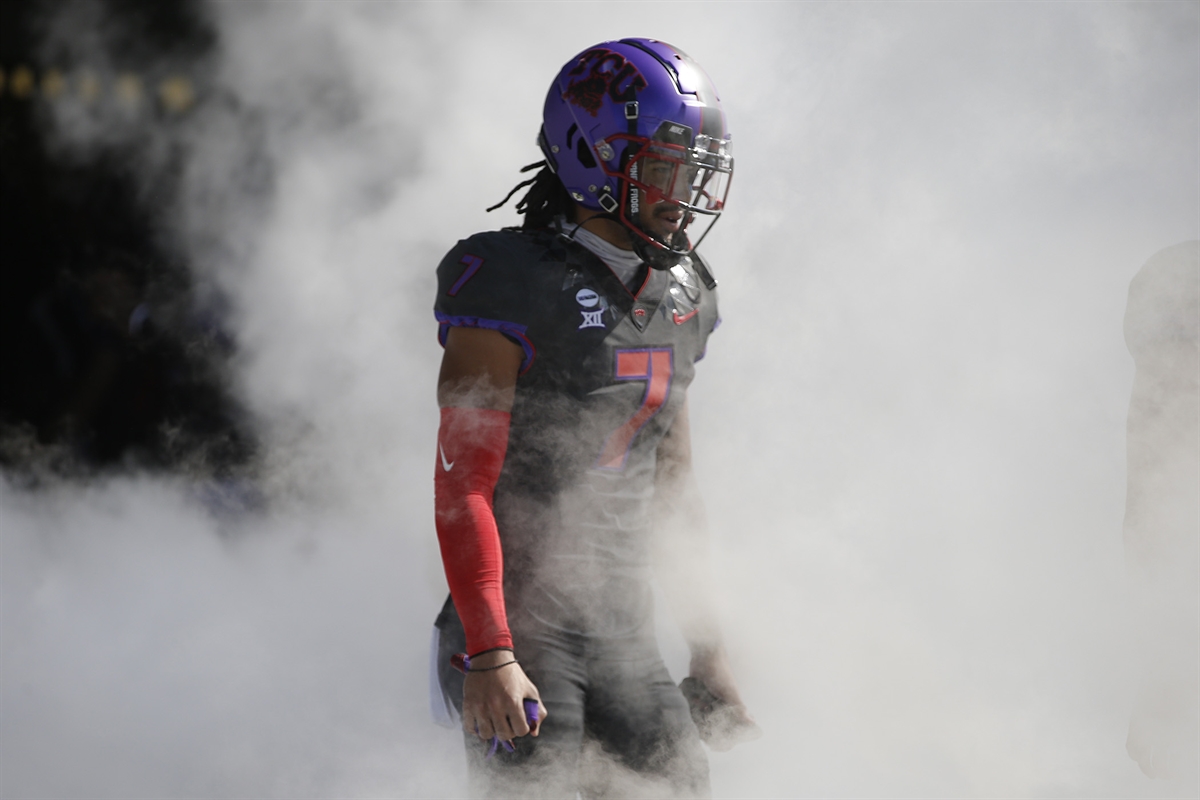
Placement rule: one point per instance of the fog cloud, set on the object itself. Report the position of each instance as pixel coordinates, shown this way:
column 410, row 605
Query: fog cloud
column 910, row 427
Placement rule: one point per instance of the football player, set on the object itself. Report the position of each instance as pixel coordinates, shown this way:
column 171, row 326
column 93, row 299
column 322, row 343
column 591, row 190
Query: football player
column 564, row 464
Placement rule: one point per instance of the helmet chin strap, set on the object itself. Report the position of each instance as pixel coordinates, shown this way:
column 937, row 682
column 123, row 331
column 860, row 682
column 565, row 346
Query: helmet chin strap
column 664, row 255
column 657, row 257
column 602, row 215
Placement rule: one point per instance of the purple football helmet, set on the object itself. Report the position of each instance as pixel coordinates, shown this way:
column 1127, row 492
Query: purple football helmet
column 637, row 121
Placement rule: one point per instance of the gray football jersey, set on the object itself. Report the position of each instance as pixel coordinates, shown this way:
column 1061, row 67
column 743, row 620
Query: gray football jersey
column 605, row 372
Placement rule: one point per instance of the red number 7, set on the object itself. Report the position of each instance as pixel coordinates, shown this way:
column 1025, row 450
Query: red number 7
column 653, row 365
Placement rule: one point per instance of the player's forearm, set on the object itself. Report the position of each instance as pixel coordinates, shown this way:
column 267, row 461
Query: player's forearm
column 471, row 447
column 683, row 555
column 690, row 596
column 684, row 559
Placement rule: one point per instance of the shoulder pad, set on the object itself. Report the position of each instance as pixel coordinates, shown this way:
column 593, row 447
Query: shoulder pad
column 702, row 270
column 694, row 273
column 495, row 280
column 488, row 264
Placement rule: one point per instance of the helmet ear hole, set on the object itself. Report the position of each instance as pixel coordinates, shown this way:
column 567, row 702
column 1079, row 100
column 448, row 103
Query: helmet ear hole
column 585, row 154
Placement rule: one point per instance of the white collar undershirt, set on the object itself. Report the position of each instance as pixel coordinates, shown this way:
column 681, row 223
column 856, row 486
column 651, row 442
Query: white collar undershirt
column 623, row 263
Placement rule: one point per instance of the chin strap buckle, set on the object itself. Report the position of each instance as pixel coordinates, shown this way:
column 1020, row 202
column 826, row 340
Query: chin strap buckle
column 607, row 201
column 631, row 110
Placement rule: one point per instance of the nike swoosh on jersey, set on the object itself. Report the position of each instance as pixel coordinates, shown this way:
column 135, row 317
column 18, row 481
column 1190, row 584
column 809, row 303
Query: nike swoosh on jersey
column 680, row 320
column 446, row 465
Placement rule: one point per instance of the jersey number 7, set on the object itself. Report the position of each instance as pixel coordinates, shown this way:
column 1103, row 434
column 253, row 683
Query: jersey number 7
column 653, row 365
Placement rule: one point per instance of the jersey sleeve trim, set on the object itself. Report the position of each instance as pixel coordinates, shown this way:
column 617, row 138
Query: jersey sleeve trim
column 510, row 329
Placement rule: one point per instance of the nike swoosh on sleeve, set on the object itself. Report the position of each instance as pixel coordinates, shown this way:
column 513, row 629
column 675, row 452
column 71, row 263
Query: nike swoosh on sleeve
column 446, row 465
column 680, row 320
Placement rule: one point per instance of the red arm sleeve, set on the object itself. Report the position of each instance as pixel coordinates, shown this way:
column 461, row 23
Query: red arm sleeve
column 471, row 447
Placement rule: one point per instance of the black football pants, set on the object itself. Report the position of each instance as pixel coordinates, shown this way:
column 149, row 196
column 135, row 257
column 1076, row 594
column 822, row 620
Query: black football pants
column 616, row 725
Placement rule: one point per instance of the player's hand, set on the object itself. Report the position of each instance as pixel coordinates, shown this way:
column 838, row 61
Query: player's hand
column 493, row 699
column 732, row 723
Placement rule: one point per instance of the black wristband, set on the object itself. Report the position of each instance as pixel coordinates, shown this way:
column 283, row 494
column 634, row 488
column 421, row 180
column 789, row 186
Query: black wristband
column 489, row 669
column 489, row 650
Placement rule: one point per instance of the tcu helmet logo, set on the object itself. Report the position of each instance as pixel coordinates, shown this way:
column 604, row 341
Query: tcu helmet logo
column 600, row 71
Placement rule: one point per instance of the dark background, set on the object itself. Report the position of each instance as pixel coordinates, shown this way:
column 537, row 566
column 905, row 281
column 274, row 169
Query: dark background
column 109, row 356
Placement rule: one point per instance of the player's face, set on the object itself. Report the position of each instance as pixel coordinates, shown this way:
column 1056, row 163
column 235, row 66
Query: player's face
column 657, row 215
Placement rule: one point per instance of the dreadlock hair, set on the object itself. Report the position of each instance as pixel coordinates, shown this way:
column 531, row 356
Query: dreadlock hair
column 546, row 199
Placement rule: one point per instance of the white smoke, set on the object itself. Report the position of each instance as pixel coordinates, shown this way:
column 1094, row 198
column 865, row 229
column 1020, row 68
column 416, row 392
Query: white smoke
column 910, row 427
